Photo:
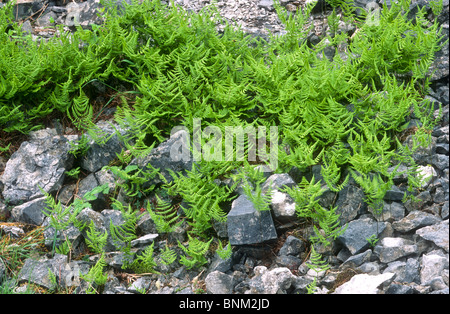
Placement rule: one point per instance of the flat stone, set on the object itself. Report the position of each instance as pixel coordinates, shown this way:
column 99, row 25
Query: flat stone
column 246, row 225
column 391, row 249
column 355, row 236
column 437, row 233
column 415, row 220
column 366, row 284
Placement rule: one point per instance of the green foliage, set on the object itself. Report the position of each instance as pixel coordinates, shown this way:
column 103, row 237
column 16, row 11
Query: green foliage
column 123, row 234
column 95, row 239
column 144, row 263
column 134, row 179
column 195, row 252
column 316, row 263
column 224, row 253
column 306, row 197
column 95, row 277
column 168, row 256
column 330, row 226
column 164, row 216
column 203, row 197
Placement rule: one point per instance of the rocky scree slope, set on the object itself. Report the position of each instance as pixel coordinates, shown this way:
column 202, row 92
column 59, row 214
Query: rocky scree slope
column 411, row 255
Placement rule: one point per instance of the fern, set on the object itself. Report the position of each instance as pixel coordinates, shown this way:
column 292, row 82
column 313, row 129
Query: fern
column 168, row 256
column 164, row 216
column 203, row 196
column 224, row 253
column 306, row 196
column 95, row 239
column 195, row 252
column 316, row 263
column 95, row 277
column 123, row 234
column 144, row 263
column 330, row 226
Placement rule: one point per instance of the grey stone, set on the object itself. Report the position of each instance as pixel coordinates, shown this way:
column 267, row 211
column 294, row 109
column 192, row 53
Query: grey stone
column 350, row 203
column 391, row 212
column 38, row 163
column 66, row 274
column 31, row 212
column 422, row 155
column 366, row 284
column 358, row 259
column 289, row 261
column 71, row 234
column 141, row 284
column 2, row 270
column 46, row 19
column 432, row 266
column 165, row 157
column 102, row 224
column 275, row 281
column 439, row 161
column 437, row 233
column 277, row 181
column 246, row 225
column 396, row 288
column 219, row 283
column 445, row 211
column 12, row 231
column 415, row 220
column 144, row 240
column 283, row 207
column 219, row 264
column 391, row 249
column 266, row 4
column 394, row 194
column 292, row 246
column 101, row 154
column 355, row 236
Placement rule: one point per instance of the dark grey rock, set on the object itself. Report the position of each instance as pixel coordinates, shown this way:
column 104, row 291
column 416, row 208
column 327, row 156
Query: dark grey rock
column 219, row 283
column 66, row 274
column 31, row 212
column 246, row 225
column 167, row 156
column 391, row 249
column 101, row 154
column 358, row 259
column 437, row 233
column 277, row 181
column 355, row 236
column 292, row 246
column 350, row 203
column 38, row 163
column 289, row 261
column 415, row 220
column 439, row 161
column 396, row 288
column 394, row 194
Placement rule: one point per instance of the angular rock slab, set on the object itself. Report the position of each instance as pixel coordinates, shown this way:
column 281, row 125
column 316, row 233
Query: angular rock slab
column 38, row 163
column 438, row 233
column 391, row 249
column 246, row 225
column 366, row 284
column 355, row 236
column 172, row 154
